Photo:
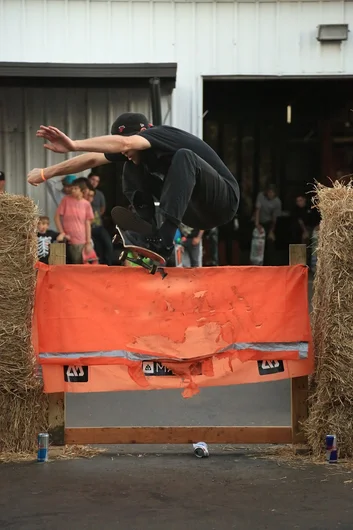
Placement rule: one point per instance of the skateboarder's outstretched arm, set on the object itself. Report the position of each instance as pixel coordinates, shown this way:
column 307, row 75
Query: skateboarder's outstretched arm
column 67, row 167
column 113, row 143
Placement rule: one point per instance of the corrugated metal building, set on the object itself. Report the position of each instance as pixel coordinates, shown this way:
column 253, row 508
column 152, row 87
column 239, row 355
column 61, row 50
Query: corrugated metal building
column 82, row 112
column 205, row 39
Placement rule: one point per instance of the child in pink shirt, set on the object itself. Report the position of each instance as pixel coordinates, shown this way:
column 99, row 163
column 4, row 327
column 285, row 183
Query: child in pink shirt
column 73, row 217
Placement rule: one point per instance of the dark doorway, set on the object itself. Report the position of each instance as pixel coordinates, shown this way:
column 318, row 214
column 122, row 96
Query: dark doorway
column 247, row 123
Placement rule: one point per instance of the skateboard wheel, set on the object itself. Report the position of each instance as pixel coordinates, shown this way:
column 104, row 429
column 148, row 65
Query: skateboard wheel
column 153, row 269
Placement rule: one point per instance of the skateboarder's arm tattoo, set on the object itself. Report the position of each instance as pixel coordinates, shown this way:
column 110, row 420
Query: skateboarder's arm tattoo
column 113, row 143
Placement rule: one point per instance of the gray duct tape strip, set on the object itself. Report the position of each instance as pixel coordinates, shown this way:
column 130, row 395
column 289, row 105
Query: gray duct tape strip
column 301, row 347
column 113, row 354
column 278, row 347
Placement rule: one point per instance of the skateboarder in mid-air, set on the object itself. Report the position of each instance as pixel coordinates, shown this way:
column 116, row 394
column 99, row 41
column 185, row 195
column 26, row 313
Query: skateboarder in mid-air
column 188, row 178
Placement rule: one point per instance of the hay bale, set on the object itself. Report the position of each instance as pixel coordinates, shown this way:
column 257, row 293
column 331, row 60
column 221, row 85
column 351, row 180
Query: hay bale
column 331, row 399
column 22, row 417
column 22, row 402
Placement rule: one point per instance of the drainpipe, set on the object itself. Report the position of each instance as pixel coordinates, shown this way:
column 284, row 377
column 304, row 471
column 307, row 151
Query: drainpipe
column 156, row 101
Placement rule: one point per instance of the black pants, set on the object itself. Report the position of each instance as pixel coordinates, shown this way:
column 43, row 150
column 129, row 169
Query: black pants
column 192, row 192
column 270, row 246
column 212, row 237
column 102, row 245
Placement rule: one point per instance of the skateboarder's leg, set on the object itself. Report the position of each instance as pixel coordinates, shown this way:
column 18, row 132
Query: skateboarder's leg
column 194, row 193
column 140, row 189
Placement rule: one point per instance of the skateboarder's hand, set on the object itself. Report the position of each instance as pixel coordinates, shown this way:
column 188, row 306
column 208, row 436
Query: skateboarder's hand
column 196, row 241
column 34, row 177
column 88, row 248
column 260, row 228
column 59, row 142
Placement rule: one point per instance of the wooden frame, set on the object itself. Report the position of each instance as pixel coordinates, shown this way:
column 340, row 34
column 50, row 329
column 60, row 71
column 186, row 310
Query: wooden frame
column 293, row 433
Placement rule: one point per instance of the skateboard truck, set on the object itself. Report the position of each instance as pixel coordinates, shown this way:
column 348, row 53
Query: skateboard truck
column 152, row 268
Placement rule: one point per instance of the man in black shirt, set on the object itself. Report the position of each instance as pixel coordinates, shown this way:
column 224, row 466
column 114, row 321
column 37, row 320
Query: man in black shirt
column 188, row 178
column 304, row 220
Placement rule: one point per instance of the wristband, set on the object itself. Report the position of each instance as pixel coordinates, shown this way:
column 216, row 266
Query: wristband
column 42, row 174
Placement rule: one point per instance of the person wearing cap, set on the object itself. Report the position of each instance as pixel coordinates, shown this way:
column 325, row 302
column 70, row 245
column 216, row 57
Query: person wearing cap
column 67, row 183
column 2, row 182
column 180, row 170
column 57, row 194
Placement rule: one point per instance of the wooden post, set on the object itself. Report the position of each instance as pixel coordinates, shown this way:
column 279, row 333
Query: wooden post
column 56, row 406
column 56, row 418
column 57, row 254
column 299, row 385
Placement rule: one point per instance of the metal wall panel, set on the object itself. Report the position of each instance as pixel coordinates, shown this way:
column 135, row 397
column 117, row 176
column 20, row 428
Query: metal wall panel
column 80, row 112
column 203, row 37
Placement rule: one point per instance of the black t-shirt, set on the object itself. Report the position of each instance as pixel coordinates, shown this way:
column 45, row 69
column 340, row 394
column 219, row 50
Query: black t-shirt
column 309, row 216
column 165, row 142
column 44, row 242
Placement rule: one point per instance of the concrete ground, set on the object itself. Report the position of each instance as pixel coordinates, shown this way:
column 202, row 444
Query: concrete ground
column 167, row 487
column 173, row 491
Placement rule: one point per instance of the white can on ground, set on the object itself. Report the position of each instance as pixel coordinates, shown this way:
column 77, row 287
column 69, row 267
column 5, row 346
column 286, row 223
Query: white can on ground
column 201, row 450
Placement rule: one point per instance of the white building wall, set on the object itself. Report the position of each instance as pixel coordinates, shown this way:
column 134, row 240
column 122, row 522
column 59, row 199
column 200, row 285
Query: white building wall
column 204, row 38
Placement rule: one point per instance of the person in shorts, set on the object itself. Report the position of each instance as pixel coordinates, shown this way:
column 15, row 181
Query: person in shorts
column 73, row 217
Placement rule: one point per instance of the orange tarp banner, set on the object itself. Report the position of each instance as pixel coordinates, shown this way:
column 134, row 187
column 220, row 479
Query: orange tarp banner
column 102, row 328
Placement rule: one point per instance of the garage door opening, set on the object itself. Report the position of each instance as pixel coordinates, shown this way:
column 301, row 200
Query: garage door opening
column 290, row 132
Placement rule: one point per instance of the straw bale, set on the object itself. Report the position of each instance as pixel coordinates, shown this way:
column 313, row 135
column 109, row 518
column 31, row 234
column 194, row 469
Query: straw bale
column 331, row 397
column 22, row 402
column 22, row 417
column 66, row 452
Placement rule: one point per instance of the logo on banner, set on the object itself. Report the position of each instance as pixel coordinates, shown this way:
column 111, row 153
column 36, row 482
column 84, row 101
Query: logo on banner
column 76, row 374
column 154, row 368
column 270, row 367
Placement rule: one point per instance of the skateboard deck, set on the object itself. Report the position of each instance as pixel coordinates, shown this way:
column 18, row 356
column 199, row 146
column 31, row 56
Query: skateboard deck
column 127, row 220
column 154, row 262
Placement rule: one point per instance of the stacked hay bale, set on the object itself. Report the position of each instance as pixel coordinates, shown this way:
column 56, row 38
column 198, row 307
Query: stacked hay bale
column 331, row 399
column 23, row 406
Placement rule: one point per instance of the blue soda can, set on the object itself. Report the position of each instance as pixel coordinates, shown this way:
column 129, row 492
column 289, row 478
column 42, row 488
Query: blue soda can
column 43, row 447
column 331, row 448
